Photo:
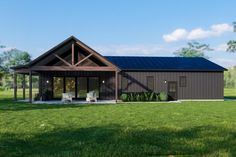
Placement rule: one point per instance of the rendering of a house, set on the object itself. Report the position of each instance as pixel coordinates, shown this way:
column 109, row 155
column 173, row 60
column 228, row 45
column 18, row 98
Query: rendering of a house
column 74, row 67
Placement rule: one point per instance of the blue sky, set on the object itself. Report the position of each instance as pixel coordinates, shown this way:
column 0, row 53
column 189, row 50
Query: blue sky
column 124, row 27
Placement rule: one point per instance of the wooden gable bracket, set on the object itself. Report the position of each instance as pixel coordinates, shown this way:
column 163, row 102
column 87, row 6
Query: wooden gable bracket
column 73, row 53
column 79, row 62
column 64, row 61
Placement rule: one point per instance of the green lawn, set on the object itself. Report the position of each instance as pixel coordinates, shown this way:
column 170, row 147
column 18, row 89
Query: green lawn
column 148, row 129
column 230, row 93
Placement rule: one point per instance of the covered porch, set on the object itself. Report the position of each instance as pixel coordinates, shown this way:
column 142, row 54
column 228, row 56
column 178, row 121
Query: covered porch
column 70, row 67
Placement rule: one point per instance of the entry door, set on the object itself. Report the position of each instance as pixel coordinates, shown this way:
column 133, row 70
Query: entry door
column 172, row 90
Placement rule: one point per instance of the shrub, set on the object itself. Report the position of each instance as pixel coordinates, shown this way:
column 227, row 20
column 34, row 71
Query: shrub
column 157, row 98
column 124, row 97
column 138, row 97
column 151, row 96
column 146, row 96
column 142, row 97
column 132, row 97
column 163, row 96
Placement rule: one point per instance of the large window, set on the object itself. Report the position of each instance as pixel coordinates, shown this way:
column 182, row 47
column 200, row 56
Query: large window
column 150, row 83
column 94, row 85
column 70, row 85
column 82, row 87
column 182, row 81
column 58, row 87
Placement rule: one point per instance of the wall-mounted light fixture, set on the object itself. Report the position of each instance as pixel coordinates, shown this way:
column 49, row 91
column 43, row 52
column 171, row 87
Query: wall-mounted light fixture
column 103, row 81
column 47, row 81
column 165, row 81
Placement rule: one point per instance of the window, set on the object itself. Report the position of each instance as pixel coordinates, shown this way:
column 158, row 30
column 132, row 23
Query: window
column 58, row 87
column 70, row 85
column 182, row 81
column 82, row 87
column 150, row 83
column 124, row 83
column 94, row 85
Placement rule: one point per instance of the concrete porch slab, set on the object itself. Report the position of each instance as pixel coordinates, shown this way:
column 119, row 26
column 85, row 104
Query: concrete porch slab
column 75, row 102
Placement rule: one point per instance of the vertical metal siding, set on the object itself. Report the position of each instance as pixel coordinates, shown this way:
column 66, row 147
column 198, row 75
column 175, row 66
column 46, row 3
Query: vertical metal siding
column 200, row 85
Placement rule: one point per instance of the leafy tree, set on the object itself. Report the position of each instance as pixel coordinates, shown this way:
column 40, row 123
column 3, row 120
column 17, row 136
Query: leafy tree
column 193, row 49
column 13, row 57
column 1, row 69
column 231, row 46
column 232, row 43
column 8, row 59
column 229, row 78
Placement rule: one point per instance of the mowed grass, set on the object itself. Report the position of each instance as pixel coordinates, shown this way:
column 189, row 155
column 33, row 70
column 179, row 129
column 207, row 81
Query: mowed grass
column 230, row 93
column 144, row 129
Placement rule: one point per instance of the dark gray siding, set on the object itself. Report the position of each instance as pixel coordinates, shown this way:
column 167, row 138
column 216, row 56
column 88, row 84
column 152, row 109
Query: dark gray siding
column 200, row 85
column 107, row 89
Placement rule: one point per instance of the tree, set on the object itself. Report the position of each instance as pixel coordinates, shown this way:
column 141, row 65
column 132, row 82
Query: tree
column 232, row 43
column 8, row 59
column 193, row 49
column 1, row 69
column 13, row 57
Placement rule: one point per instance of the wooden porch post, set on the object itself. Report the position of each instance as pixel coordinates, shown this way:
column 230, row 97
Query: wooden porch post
column 73, row 54
column 23, row 86
column 15, row 85
column 30, row 86
column 116, row 86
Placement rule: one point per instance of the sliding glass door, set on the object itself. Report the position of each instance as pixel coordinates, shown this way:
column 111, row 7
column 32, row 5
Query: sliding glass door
column 94, row 85
column 58, row 87
column 82, row 87
column 70, row 85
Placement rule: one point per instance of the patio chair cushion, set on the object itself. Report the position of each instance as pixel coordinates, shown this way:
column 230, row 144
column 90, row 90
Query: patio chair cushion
column 91, row 96
column 67, row 97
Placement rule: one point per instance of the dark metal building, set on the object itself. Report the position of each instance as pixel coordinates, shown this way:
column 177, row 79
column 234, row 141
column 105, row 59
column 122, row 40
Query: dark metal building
column 74, row 67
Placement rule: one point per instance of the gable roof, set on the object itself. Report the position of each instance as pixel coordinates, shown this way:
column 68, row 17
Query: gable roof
column 164, row 63
column 72, row 38
column 139, row 63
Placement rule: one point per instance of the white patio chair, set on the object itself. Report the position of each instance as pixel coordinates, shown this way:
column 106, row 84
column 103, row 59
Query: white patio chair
column 67, row 97
column 91, row 96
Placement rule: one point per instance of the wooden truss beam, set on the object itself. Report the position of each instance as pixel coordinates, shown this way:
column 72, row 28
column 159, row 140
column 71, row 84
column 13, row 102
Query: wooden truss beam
column 64, row 61
column 79, row 62
column 101, row 58
column 72, row 68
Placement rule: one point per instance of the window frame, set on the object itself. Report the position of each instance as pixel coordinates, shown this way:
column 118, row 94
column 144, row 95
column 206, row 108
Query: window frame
column 148, row 83
column 183, row 81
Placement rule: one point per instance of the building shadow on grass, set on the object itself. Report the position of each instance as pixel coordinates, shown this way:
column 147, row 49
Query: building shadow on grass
column 115, row 140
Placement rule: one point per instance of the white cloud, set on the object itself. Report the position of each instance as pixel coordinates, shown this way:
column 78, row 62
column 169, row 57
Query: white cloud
column 198, row 33
column 176, row 35
column 137, row 49
column 219, row 29
column 221, row 48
